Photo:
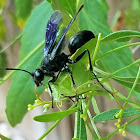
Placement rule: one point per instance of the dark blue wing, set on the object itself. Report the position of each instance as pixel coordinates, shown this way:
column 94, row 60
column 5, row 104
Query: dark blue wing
column 52, row 32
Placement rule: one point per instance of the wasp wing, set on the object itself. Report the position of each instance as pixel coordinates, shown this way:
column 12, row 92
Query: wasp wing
column 61, row 40
column 52, row 32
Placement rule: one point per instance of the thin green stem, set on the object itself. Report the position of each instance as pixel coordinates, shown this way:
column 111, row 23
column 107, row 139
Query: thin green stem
column 122, row 69
column 117, row 49
column 87, row 106
column 132, row 89
column 97, row 46
column 95, row 106
column 93, row 124
column 77, row 117
column 52, row 127
column 49, row 130
column 91, row 132
column 130, row 102
column 128, row 122
column 13, row 41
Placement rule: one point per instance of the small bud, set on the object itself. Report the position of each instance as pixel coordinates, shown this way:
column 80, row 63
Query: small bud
column 38, row 101
column 124, row 133
column 117, row 115
column 118, row 125
column 46, row 90
column 119, row 120
column 84, row 116
column 121, row 130
column 88, row 85
column 30, row 107
column 46, row 105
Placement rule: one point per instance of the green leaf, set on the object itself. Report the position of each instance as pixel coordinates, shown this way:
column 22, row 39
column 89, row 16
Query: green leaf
column 23, row 8
column 2, row 29
column 49, row 1
column 64, row 6
column 110, row 114
column 2, row 3
column 21, row 92
column 98, row 23
column 121, row 36
column 4, row 138
column 135, row 129
column 69, row 6
column 50, row 117
column 3, row 62
column 80, row 129
column 128, row 82
column 137, row 95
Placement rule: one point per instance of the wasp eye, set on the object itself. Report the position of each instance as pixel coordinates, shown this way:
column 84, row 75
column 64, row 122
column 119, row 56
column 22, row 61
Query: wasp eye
column 38, row 76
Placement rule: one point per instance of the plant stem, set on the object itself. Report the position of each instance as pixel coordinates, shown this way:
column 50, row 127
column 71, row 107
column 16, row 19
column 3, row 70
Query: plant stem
column 95, row 106
column 132, row 103
column 91, row 132
column 132, row 89
column 49, row 130
column 110, row 135
column 12, row 42
column 77, row 115
column 97, row 46
column 93, row 124
column 122, row 69
column 117, row 49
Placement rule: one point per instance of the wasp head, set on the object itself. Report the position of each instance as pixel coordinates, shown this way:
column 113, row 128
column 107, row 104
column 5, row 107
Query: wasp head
column 38, row 76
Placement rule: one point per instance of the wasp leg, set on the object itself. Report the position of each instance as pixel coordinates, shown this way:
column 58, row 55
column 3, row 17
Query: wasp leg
column 91, row 69
column 52, row 81
column 74, row 85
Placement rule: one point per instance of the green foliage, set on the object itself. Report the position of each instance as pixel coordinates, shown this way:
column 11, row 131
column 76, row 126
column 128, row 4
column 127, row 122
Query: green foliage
column 121, row 36
column 4, row 138
column 23, row 8
column 110, row 114
column 50, row 117
column 2, row 29
column 110, row 58
column 3, row 62
column 132, row 15
column 23, row 11
column 80, row 128
column 134, row 129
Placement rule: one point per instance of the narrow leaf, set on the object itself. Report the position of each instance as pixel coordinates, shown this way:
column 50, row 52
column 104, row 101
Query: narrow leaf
column 2, row 29
column 134, row 129
column 110, row 114
column 50, row 117
column 23, row 8
column 3, row 62
column 2, row 137
column 23, row 11
column 128, row 82
column 121, row 36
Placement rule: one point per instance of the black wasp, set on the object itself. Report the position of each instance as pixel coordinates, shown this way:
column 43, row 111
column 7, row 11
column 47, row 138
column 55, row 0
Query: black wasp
column 55, row 60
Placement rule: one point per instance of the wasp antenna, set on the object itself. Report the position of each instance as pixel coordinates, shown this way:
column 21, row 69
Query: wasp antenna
column 81, row 7
column 17, row 69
